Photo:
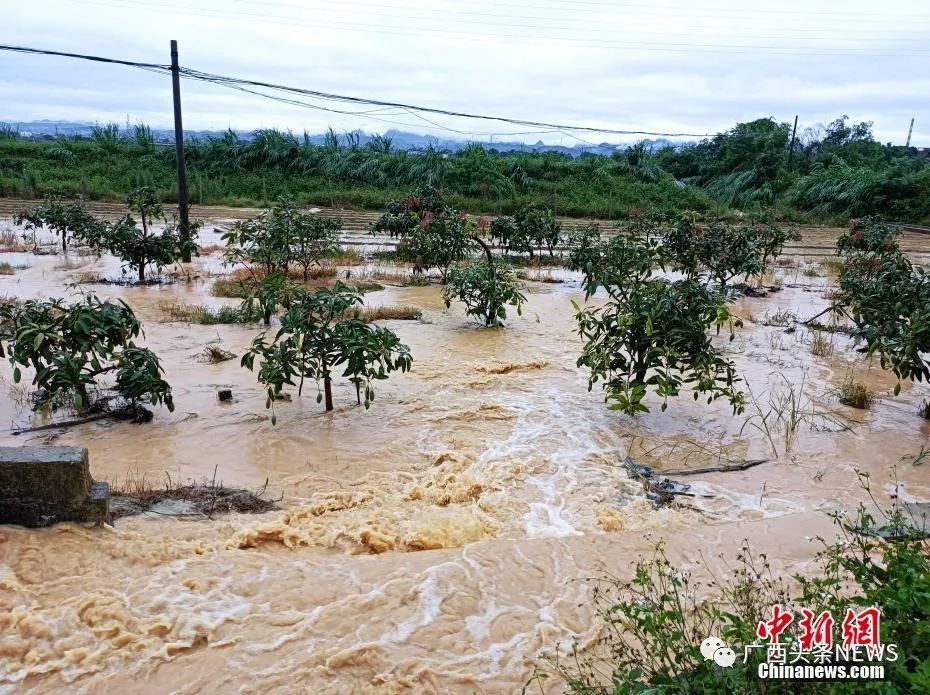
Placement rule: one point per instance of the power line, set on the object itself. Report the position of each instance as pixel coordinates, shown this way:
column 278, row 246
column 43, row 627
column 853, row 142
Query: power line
column 97, row 59
column 586, row 41
column 444, row 12
column 224, row 80
column 244, row 85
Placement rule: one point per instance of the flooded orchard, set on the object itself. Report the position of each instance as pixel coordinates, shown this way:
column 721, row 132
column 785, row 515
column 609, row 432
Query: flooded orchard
column 440, row 541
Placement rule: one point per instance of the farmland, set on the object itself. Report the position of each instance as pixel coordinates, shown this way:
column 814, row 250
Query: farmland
column 438, row 535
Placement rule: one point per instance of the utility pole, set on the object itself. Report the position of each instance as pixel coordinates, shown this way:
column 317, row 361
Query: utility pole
column 185, row 226
column 794, row 132
column 909, row 131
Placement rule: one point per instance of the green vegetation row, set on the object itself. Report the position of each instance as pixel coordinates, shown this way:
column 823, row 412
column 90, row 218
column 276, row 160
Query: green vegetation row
column 652, row 336
column 837, row 172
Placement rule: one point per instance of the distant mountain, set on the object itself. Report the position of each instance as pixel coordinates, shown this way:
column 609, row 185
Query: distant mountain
column 400, row 140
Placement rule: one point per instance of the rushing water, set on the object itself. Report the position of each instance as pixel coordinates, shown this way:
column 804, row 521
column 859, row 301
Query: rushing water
column 439, row 541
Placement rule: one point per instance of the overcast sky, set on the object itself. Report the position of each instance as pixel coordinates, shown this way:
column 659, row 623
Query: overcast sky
column 666, row 65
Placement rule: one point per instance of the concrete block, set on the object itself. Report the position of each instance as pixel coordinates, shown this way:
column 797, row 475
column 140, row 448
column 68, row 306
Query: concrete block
column 43, row 485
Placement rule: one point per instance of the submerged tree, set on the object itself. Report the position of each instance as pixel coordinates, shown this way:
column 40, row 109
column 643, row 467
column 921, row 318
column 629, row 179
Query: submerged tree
column 63, row 218
column 887, row 298
column 486, row 289
column 71, row 346
column 433, row 233
column 321, row 333
column 528, row 231
column 141, row 247
column 282, row 237
column 270, row 293
column 652, row 334
column 714, row 251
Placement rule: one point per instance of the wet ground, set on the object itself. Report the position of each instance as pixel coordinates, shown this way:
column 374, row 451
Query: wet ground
column 439, row 541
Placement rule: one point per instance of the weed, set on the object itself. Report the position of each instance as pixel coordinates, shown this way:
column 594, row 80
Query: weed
column 348, row 256
column 918, row 458
column 214, row 354
column 834, row 266
column 788, row 409
column 811, row 271
column 11, row 241
column 855, row 394
column 781, row 318
column 207, row 497
column 206, row 315
column 233, row 288
column 385, row 313
column 821, row 346
column 391, row 277
column 318, row 272
column 7, row 268
column 89, row 278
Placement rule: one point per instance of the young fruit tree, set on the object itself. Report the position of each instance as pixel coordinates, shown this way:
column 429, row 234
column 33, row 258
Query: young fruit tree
column 485, row 288
column 432, row 232
column 72, row 346
column 63, row 218
column 282, row 237
column 717, row 251
column 887, row 298
column 531, row 228
column 652, row 334
column 138, row 247
column 271, row 293
column 322, row 333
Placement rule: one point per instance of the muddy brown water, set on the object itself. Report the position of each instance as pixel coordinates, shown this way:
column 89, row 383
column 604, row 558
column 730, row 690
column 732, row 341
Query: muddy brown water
column 439, row 541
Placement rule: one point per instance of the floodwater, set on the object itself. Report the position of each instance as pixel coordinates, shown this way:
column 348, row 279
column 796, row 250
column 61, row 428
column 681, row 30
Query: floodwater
column 439, row 542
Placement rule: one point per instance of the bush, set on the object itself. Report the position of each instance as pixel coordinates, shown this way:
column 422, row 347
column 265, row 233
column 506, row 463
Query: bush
column 654, row 624
column 432, row 231
column 281, row 238
column 887, row 298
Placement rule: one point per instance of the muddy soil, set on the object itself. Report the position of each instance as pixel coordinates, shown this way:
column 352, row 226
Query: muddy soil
column 437, row 542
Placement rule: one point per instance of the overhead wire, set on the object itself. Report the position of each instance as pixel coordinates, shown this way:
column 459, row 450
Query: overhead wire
column 442, row 12
column 245, row 85
column 226, row 80
column 586, row 41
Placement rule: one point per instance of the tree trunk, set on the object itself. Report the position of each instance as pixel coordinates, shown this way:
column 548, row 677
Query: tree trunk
column 64, row 242
column 141, row 272
column 267, row 317
column 328, row 392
